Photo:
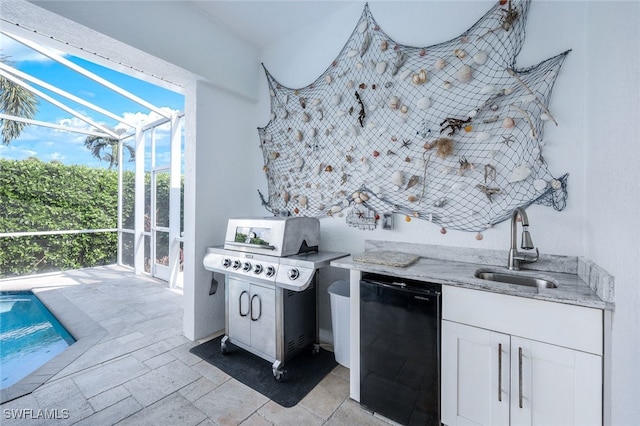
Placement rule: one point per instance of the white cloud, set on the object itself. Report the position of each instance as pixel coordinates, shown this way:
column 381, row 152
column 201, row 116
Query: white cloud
column 57, row 156
column 73, row 122
column 16, row 152
column 87, row 94
column 17, row 52
column 140, row 118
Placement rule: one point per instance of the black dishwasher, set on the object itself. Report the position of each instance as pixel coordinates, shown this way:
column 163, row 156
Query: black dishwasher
column 400, row 348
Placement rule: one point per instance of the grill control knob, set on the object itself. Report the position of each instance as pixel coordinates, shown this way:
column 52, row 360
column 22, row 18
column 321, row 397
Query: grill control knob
column 270, row 271
column 226, row 262
column 236, row 264
column 246, row 267
column 257, row 269
column 293, row 274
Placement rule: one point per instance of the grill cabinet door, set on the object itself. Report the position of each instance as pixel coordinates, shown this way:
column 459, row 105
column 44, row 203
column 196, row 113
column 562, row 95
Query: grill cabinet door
column 239, row 311
column 263, row 319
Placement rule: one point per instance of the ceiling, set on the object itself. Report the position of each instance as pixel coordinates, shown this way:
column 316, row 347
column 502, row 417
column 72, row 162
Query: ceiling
column 247, row 18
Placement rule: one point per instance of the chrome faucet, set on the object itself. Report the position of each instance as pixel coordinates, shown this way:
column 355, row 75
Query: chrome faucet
column 515, row 257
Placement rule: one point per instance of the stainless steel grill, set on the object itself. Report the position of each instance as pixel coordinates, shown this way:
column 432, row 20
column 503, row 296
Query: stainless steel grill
column 271, row 267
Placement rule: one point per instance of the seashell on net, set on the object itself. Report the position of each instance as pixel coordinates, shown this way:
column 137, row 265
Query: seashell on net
column 540, row 184
column 397, row 179
column 440, row 64
column 394, row 102
column 420, row 77
column 482, row 136
column 487, row 90
column 423, row 103
column 481, row 57
column 365, row 44
column 508, row 123
column 404, row 74
column 400, row 59
column 464, row 74
column 362, row 27
column 460, row 54
column 519, row 173
column 413, row 181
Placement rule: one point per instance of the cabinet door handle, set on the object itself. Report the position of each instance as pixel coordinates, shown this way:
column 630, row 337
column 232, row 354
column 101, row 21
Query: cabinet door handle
column 240, row 304
column 520, row 377
column 259, row 305
column 500, row 372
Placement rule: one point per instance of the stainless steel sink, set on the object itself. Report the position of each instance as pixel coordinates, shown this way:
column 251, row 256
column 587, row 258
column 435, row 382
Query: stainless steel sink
column 517, row 279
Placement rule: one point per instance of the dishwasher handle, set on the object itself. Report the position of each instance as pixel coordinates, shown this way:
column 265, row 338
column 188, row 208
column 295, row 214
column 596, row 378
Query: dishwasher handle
column 424, row 288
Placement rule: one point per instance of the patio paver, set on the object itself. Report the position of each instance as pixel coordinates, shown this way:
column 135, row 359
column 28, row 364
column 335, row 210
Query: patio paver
column 140, row 370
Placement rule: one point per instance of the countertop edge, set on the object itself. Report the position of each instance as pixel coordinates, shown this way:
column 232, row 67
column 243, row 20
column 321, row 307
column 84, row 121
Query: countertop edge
column 463, row 276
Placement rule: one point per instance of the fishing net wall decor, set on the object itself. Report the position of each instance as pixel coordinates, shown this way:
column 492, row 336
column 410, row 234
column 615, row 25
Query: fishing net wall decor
column 450, row 133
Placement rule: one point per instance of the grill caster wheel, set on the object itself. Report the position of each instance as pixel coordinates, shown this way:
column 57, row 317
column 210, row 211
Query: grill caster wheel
column 277, row 374
column 316, row 349
column 223, row 345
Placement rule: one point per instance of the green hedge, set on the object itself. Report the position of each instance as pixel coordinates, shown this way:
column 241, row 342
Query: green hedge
column 37, row 196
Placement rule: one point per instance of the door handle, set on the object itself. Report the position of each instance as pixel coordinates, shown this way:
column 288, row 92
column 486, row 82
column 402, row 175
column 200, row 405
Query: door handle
column 259, row 305
column 520, row 377
column 240, row 304
column 500, row 372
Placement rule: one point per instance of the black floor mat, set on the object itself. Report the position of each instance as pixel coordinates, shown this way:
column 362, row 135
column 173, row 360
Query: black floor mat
column 302, row 373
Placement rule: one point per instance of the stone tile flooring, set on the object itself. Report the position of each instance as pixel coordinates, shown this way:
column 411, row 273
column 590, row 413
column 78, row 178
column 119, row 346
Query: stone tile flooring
column 141, row 372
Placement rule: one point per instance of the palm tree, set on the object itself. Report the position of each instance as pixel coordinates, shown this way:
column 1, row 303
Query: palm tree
column 17, row 101
column 106, row 149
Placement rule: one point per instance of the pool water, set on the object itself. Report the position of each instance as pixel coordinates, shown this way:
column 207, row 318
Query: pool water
column 29, row 336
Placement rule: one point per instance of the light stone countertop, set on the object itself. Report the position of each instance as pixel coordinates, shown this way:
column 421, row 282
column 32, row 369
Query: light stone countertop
column 572, row 289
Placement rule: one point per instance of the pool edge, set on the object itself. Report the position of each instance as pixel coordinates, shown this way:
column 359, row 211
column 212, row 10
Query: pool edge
column 84, row 330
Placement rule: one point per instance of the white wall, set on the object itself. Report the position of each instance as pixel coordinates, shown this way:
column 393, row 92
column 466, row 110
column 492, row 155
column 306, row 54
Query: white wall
column 216, row 178
column 596, row 102
column 612, row 204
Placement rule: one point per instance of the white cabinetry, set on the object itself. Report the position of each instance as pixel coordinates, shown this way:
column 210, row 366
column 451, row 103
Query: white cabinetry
column 475, row 376
column 252, row 316
column 499, row 369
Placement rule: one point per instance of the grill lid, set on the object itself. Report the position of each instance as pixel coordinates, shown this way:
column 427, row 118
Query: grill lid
column 273, row 236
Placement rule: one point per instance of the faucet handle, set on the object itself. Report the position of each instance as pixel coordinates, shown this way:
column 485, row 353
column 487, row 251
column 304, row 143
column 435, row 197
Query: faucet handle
column 529, row 258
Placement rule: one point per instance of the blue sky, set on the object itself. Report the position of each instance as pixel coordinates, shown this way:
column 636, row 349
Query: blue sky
column 51, row 144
